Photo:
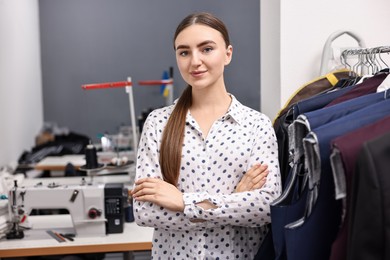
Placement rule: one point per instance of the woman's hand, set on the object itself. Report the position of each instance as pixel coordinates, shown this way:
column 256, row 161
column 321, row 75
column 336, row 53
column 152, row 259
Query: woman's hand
column 158, row 192
column 253, row 179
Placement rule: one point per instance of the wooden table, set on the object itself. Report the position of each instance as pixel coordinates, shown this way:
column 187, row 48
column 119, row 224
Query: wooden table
column 38, row 243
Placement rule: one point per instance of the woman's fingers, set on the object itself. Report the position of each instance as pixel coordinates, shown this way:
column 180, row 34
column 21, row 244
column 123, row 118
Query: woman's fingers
column 262, row 178
column 256, row 170
column 254, row 178
column 144, row 186
column 158, row 192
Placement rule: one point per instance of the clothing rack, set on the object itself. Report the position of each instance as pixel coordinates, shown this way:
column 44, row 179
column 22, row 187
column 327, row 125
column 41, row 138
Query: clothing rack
column 369, row 60
column 372, row 51
column 337, row 142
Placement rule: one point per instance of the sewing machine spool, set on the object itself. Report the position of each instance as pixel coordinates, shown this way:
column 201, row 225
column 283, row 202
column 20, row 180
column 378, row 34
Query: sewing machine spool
column 91, row 159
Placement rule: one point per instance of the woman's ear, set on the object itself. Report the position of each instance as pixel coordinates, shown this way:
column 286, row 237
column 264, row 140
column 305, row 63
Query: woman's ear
column 229, row 54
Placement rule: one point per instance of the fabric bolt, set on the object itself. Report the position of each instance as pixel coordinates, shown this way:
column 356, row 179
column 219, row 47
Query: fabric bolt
column 369, row 238
column 318, row 230
column 211, row 168
column 348, row 147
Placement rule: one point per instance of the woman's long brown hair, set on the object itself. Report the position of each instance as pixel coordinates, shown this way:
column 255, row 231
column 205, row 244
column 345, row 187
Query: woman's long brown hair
column 173, row 136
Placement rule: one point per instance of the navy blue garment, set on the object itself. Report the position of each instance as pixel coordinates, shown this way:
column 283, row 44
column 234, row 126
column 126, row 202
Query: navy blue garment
column 266, row 250
column 328, row 114
column 318, row 101
column 284, row 118
column 310, row 120
column 335, row 97
column 288, row 208
column 291, row 208
column 312, row 236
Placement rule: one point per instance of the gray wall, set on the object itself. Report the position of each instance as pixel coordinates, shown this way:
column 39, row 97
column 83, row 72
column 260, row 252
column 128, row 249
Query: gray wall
column 92, row 41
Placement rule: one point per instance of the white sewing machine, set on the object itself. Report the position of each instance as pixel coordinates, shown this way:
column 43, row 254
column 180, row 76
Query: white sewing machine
column 86, row 205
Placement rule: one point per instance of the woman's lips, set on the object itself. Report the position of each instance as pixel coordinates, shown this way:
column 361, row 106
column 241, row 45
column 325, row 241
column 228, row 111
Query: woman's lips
column 197, row 73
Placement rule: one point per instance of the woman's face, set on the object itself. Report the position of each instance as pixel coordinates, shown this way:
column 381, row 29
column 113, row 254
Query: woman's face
column 201, row 55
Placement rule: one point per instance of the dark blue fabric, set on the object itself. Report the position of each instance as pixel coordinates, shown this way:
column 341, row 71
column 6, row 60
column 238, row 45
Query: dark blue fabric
column 313, row 239
column 292, row 208
column 318, row 101
column 325, row 115
column 341, row 95
column 266, row 250
column 287, row 211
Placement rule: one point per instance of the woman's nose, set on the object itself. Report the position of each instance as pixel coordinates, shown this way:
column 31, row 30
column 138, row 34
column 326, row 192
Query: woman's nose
column 196, row 59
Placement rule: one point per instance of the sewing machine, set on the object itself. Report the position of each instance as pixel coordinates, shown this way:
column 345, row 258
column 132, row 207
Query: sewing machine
column 96, row 210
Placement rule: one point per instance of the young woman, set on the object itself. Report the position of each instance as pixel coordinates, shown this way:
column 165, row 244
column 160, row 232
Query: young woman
column 202, row 162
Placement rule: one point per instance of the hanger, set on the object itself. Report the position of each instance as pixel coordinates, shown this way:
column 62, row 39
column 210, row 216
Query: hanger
column 373, row 61
column 381, row 50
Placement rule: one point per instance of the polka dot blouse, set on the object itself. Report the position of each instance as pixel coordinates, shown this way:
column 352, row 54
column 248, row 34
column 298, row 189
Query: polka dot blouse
column 210, row 170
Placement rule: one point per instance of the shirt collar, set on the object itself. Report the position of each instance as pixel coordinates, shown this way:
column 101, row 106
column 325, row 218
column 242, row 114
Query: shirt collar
column 235, row 110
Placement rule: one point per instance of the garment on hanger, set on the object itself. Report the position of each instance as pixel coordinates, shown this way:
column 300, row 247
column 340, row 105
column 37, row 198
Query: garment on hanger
column 317, row 102
column 345, row 150
column 282, row 120
column 323, row 116
column 317, row 229
column 289, row 207
column 307, row 219
column 369, row 236
column 333, row 80
column 368, row 86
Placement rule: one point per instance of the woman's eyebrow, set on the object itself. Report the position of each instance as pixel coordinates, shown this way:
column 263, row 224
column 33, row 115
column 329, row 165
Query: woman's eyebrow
column 182, row 47
column 199, row 45
column 205, row 43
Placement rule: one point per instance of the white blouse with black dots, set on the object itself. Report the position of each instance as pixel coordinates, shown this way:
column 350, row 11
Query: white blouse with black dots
column 210, row 170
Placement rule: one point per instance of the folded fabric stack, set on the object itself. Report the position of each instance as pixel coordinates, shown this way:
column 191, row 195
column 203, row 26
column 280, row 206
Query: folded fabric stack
column 4, row 217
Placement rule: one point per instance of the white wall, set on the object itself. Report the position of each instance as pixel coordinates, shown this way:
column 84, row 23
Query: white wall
column 21, row 113
column 304, row 27
column 270, row 57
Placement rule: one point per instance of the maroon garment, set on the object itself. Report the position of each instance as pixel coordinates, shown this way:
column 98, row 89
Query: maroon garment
column 369, row 225
column 368, row 86
column 349, row 146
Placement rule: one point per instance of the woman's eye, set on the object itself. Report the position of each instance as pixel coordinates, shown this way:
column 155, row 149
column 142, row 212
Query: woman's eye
column 207, row 49
column 183, row 53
